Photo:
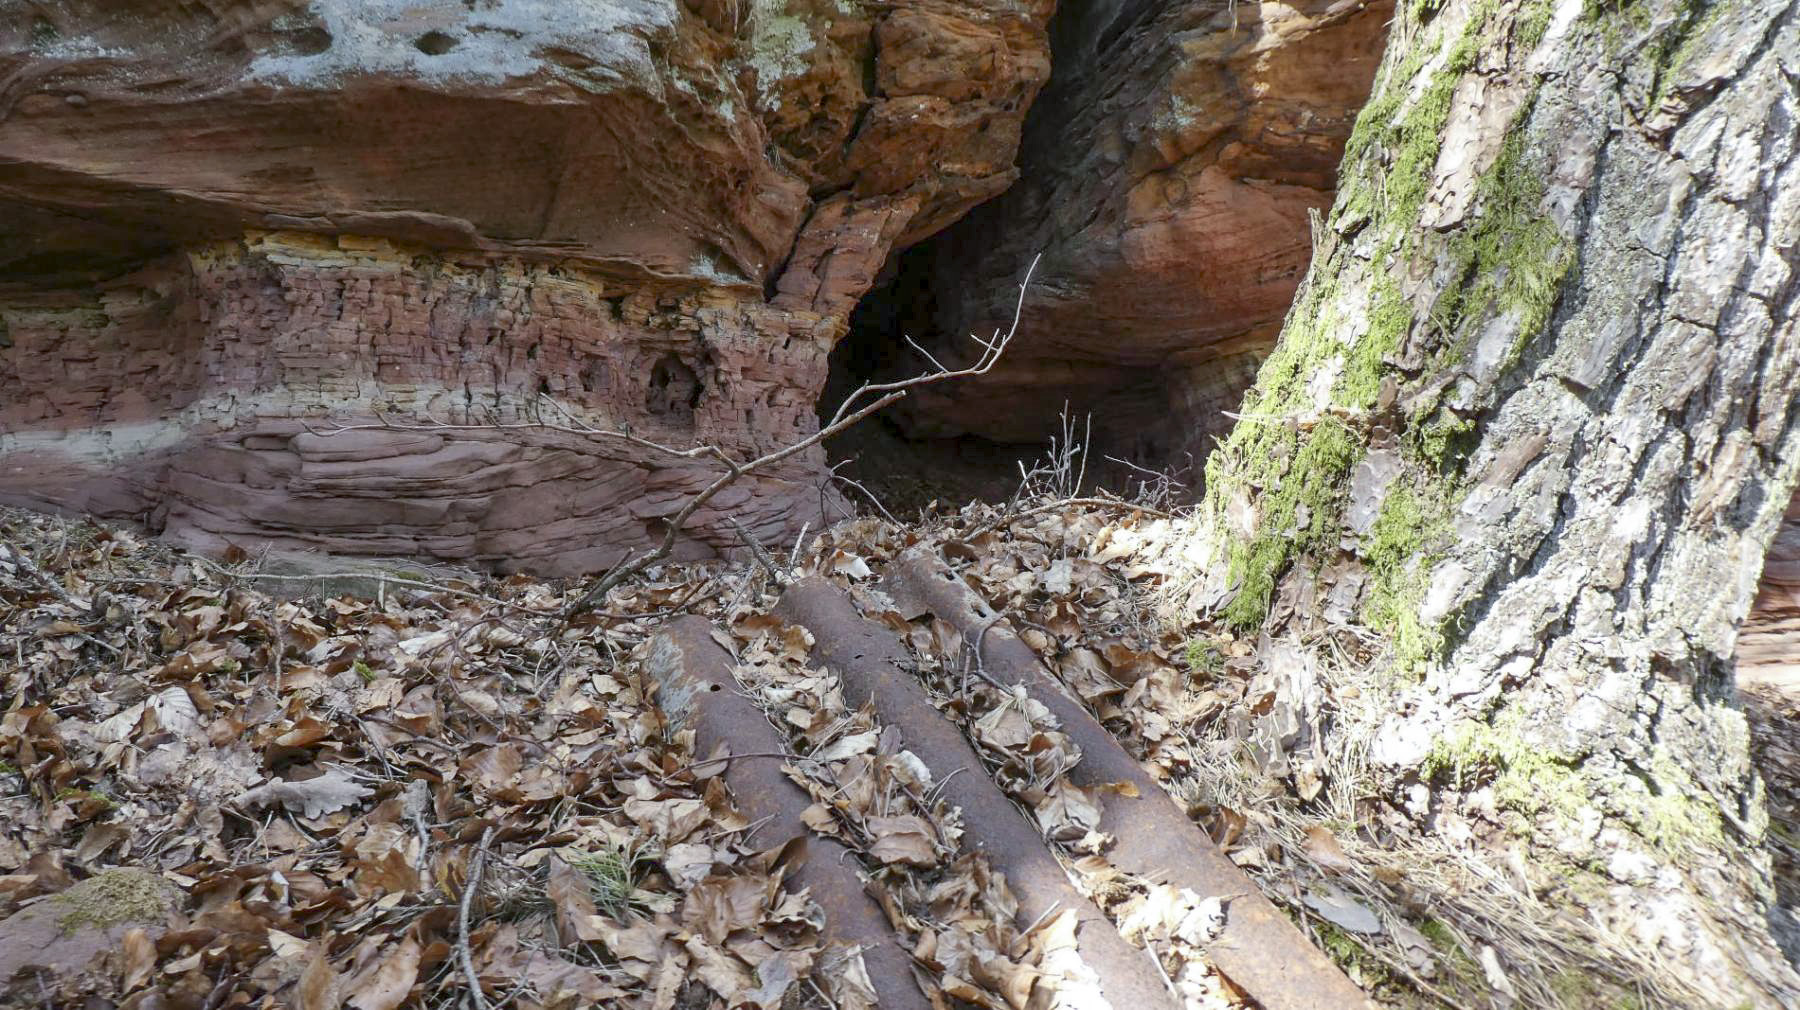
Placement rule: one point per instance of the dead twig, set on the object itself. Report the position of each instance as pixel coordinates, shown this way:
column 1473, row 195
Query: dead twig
column 866, row 493
column 462, row 921
column 38, row 575
column 799, row 542
column 760, row 553
column 385, row 580
column 867, row 399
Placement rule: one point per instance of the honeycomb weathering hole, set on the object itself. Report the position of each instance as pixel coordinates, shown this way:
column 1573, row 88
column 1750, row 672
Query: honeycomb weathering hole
column 674, row 388
column 434, row 43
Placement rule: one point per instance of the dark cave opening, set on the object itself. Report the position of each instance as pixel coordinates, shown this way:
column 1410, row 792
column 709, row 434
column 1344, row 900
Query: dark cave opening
column 909, row 456
column 886, row 456
column 1130, row 409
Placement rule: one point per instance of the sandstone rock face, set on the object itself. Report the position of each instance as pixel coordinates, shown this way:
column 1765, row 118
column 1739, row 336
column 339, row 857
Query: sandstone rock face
column 1769, row 643
column 230, row 229
column 1168, row 176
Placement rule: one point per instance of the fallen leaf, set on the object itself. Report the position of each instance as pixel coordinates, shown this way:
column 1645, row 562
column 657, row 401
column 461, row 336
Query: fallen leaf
column 286, row 944
column 847, row 980
column 1496, row 976
column 1343, row 911
column 176, row 712
column 318, row 988
column 140, row 958
column 313, row 797
column 1323, row 849
column 846, row 746
column 386, row 986
column 906, row 839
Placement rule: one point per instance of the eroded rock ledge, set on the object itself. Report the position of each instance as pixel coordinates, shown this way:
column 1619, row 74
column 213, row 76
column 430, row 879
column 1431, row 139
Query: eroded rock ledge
column 206, row 394
column 227, row 227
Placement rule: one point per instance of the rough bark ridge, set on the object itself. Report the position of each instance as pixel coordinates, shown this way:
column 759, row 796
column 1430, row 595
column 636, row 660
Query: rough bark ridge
column 222, row 223
column 1533, row 419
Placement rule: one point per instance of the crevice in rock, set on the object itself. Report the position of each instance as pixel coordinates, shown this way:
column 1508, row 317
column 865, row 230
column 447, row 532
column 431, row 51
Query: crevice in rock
column 912, row 454
column 904, row 465
column 1170, row 210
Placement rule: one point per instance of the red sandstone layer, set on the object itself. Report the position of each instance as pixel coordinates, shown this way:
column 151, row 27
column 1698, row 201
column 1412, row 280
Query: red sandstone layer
column 227, row 226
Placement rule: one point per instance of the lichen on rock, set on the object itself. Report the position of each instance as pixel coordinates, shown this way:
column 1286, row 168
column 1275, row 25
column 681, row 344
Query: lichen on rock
column 112, row 897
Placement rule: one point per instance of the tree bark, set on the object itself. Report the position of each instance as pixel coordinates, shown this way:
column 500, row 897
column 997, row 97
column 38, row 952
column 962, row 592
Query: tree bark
column 1532, row 422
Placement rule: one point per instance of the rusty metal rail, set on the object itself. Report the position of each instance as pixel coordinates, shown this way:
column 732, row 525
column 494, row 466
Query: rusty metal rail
column 1260, row 949
column 695, row 685
column 873, row 665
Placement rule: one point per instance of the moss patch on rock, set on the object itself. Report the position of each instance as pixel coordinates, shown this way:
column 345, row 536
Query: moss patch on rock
column 113, row 897
column 1399, row 551
column 1300, row 506
column 1662, row 804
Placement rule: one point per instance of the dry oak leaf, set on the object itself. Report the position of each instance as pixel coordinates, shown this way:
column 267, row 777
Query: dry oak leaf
column 847, row 979
column 387, row 986
column 314, row 797
column 319, row 984
column 905, row 839
column 140, row 958
column 1322, row 847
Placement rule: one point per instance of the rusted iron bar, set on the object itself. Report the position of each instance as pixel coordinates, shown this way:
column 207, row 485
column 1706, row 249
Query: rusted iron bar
column 695, row 685
column 874, row 666
column 1260, row 949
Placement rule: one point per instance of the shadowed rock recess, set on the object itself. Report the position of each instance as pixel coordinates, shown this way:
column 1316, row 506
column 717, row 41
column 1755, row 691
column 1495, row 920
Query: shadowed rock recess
column 1169, row 171
column 227, row 228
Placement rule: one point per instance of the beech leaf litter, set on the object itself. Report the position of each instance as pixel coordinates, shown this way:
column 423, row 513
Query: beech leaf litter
column 307, row 776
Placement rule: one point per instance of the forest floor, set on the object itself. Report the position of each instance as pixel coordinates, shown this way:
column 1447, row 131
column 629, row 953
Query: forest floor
column 224, row 784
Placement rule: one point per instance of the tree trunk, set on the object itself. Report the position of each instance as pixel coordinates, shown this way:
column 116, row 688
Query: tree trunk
column 1532, row 422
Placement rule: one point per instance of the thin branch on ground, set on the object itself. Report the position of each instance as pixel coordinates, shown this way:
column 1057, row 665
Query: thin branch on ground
column 38, row 575
column 866, row 400
column 760, row 553
column 462, row 921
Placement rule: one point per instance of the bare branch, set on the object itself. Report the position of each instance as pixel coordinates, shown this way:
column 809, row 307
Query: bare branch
column 873, row 500
column 30, row 567
column 760, row 553
column 462, row 921
column 847, row 414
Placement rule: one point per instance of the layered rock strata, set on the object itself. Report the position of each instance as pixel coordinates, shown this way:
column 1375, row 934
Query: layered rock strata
column 1169, row 173
column 357, row 276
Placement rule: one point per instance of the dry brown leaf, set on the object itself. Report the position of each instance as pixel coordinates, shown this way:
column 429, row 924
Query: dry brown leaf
column 720, row 972
column 907, row 839
column 140, row 958
column 1323, row 849
column 848, row 745
column 386, row 986
column 847, row 980
column 671, row 820
column 572, row 902
column 286, row 944
column 641, row 941
column 385, row 860
column 313, row 797
column 175, row 711
column 669, row 975
column 318, row 987
column 775, row 975
column 718, row 906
